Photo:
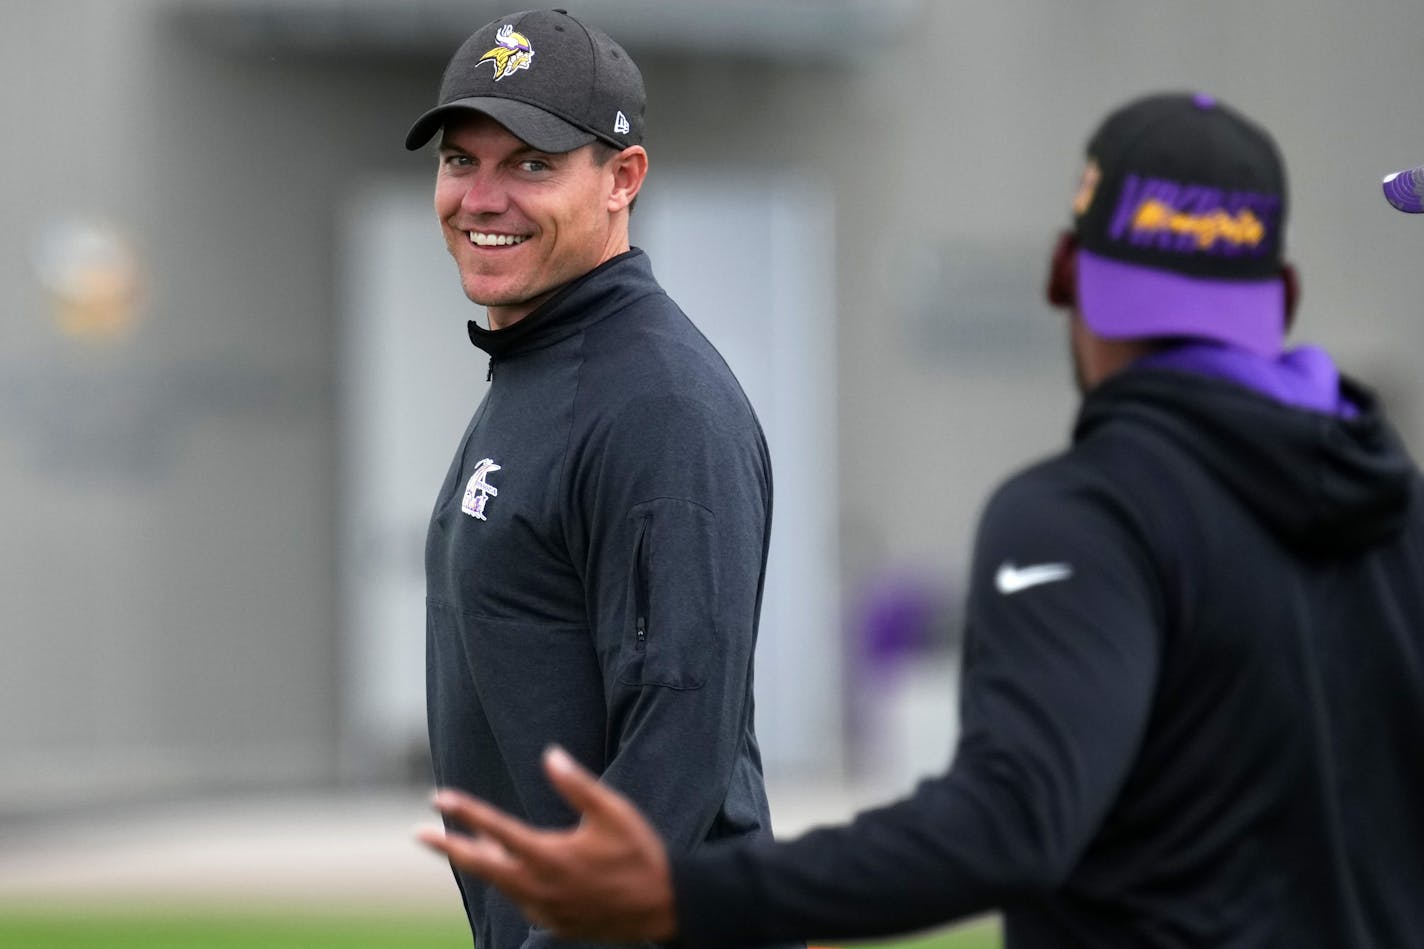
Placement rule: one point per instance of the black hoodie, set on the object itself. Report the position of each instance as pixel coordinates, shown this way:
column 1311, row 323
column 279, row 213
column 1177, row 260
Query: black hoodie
column 1193, row 703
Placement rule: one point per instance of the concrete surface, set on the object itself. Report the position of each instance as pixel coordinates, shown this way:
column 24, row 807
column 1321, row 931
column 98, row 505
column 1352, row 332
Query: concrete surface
column 305, row 852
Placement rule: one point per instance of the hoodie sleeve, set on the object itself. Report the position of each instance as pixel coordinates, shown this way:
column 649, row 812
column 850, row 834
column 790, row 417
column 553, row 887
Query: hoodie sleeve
column 676, row 550
column 1062, row 653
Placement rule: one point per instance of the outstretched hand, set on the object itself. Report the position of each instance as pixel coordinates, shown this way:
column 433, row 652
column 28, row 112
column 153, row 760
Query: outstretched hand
column 606, row 879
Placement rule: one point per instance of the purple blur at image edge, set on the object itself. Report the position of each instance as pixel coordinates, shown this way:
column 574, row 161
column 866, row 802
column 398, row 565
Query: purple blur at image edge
column 1405, row 190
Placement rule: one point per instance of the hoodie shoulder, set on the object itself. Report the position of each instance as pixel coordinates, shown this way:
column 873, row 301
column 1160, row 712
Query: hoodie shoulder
column 1327, row 485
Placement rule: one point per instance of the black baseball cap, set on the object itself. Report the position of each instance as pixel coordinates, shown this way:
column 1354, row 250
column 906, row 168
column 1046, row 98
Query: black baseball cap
column 552, row 80
column 1180, row 220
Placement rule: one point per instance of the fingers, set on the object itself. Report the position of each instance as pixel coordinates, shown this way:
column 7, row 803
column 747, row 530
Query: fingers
column 481, row 856
column 491, row 862
column 608, row 877
column 513, row 834
column 479, row 853
column 575, row 783
column 580, row 788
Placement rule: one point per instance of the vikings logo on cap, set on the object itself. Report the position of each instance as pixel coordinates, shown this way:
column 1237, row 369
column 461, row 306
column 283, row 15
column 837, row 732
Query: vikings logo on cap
column 1185, row 218
column 513, row 53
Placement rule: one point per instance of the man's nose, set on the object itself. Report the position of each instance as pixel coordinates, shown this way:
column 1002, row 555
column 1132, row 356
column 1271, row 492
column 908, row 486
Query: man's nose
column 485, row 194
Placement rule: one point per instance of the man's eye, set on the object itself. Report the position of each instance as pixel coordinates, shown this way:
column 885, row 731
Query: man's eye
column 534, row 165
column 455, row 161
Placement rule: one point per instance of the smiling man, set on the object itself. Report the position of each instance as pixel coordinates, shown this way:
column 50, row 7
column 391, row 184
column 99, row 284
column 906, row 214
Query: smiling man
column 596, row 555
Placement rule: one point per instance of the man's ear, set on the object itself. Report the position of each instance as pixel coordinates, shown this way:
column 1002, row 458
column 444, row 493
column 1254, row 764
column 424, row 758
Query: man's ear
column 1291, row 279
column 1062, row 289
column 630, row 167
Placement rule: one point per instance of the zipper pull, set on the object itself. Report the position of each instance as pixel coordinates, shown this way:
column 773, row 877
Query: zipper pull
column 489, row 374
column 642, row 629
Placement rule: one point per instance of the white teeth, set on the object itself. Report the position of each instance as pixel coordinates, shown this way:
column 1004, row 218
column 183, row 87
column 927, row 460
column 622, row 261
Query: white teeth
column 495, row 240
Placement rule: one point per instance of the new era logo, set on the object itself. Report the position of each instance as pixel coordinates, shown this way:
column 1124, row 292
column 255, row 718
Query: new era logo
column 620, row 124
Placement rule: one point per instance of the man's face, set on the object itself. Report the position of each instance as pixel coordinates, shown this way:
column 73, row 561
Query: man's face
column 521, row 223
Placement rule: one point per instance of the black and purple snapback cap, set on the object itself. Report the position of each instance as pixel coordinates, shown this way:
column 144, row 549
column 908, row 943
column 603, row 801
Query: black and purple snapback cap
column 1180, row 220
column 555, row 82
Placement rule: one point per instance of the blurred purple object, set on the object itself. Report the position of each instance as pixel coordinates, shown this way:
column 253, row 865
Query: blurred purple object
column 1405, row 190
column 899, row 620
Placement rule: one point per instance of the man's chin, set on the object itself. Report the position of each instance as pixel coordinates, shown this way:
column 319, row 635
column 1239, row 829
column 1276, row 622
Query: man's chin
column 506, row 308
column 485, row 295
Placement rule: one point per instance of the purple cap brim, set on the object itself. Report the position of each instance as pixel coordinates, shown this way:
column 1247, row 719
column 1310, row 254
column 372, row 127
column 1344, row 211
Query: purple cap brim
column 1405, row 190
column 1127, row 301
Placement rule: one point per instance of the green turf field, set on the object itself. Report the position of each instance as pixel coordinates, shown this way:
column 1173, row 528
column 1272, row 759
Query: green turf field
column 33, row 930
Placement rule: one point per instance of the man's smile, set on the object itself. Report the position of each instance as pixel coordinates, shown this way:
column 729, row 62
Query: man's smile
column 481, row 239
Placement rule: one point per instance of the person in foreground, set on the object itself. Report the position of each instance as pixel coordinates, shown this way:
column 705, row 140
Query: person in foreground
column 595, row 559
column 1193, row 694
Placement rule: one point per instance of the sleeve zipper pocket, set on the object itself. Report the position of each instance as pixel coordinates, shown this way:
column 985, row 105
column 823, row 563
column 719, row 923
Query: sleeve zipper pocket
column 640, row 587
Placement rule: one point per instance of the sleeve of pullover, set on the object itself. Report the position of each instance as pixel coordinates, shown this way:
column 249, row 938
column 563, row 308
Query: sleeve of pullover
column 1062, row 653
column 679, row 495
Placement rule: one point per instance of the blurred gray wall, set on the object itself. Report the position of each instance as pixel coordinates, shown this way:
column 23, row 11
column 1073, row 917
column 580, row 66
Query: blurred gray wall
column 169, row 490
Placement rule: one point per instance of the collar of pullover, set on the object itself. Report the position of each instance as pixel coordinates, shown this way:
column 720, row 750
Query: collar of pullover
column 599, row 293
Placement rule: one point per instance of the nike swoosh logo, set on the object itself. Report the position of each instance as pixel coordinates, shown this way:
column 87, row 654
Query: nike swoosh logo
column 1011, row 579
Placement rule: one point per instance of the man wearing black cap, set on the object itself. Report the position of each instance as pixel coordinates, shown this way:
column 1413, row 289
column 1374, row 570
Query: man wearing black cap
column 1193, row 695
column 595, row 559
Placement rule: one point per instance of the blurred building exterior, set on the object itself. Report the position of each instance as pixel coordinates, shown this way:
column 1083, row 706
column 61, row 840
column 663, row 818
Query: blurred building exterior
column 211, row 225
